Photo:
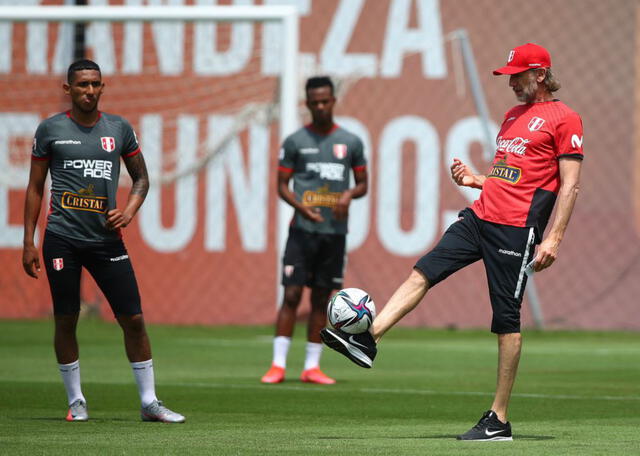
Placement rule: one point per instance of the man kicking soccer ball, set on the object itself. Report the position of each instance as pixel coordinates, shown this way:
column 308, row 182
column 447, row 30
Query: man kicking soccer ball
column 538, row 159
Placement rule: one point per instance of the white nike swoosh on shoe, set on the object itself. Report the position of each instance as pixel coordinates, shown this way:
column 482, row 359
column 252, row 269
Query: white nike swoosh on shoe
column 492, row 433
column 352, row 340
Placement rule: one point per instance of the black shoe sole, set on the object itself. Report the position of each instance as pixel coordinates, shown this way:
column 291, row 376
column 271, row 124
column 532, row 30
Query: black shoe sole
column 342, row 346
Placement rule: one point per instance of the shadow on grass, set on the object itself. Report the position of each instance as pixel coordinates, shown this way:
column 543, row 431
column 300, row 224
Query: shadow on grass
column 436, row 437
column 79, row 423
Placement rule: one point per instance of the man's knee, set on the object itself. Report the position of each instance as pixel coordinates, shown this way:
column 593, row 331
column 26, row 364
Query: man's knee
column 292, row 296
column 66, row 323
column 131, row 324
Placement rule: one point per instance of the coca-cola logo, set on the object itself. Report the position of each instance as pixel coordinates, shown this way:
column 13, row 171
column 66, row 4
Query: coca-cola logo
column 516, row 145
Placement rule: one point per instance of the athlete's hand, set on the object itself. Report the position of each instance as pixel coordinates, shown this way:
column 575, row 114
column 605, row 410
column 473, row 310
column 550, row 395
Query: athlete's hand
column 31, row 261
column 312, row 213
column 546, row 255
column 117, row 219
column 461, row 174
column 341, row 209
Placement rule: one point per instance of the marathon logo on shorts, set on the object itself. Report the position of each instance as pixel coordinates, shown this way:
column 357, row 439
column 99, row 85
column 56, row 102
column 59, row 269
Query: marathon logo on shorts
column 84, row 200
column 58, row 264
column 340, row 151
column 108, row 143
column 288, row 270
column 510, row 252
column 501, row 170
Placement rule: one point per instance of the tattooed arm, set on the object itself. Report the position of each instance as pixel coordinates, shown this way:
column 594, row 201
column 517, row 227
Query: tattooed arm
column 138, row 172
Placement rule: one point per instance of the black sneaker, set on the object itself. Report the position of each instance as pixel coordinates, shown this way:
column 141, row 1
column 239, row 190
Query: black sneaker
column 489, row 428
column 359, row 348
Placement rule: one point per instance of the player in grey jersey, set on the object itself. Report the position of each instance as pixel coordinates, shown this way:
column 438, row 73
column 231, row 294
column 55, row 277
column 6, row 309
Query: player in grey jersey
column 82, row 149
column 320, row 157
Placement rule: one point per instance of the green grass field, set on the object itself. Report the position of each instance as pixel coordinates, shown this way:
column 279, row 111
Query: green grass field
column 578, row 393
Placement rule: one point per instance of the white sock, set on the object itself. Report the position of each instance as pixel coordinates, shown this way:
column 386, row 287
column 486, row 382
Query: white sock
column 281, row 350
column 71, row 379
column 143, row 373
column 313, row 355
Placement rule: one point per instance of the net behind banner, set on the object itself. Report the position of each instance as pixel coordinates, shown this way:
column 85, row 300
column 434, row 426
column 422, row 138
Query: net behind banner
column 203, row 100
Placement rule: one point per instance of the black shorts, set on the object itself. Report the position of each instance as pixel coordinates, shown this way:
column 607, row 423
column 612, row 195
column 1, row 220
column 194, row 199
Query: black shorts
column 505, row 251
column 313, row 259
column 107, row 262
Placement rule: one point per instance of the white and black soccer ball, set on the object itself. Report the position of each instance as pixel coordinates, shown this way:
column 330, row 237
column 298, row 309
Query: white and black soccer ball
column 351, row 310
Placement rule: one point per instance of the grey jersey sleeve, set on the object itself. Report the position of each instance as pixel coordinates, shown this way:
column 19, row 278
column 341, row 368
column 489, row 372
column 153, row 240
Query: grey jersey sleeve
column 288, row 154
column 41, row 143
column 130, row 140
column 358, row 159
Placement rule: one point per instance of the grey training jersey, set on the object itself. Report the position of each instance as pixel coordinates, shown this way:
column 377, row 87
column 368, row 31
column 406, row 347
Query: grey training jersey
column 85, row 166
column 321, row 166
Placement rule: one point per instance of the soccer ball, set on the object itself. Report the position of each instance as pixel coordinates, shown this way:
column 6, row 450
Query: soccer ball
column 351, row 310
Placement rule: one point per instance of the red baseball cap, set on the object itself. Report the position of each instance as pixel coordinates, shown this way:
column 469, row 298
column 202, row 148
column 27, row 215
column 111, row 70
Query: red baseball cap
column 525, row 57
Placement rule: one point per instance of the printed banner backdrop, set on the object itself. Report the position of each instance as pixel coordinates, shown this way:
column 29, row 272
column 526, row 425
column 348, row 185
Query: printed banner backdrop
column 204, row 246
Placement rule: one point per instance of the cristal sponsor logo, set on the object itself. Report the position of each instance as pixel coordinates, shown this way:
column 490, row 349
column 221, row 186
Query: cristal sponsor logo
column 505, row 172
column 309, row 150
column 576, row 141
column 67, row 141
column 84, row 200
column 516, row 145
column 329, row 171
column 321, row 197
column 100, row 169
column 509, row 252
column 119, row 258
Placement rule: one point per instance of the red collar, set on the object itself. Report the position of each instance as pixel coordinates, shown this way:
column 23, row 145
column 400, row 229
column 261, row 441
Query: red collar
column 310, row 127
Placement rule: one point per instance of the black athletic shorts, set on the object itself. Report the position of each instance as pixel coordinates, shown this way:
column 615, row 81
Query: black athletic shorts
column 314, row 260
column 505, row 251
column 107, row 262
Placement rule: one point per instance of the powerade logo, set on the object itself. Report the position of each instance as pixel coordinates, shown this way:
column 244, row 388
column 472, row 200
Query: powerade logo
column 505, row 172
column 99, row 169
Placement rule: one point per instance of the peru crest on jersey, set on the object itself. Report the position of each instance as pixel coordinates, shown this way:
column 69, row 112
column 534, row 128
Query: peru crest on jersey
column 340, row 151
column 108, row 143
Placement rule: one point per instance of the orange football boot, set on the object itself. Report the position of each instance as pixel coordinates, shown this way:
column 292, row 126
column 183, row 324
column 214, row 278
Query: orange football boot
column 274, row 375
column 315, row 375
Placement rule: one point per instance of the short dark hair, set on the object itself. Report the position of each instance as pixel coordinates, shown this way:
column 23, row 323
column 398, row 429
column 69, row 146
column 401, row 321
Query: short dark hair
column 319, row 81
column 79, row 65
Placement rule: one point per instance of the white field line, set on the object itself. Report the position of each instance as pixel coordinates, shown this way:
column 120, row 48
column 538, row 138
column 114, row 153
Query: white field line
column 438, row 346
column 324, row 389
